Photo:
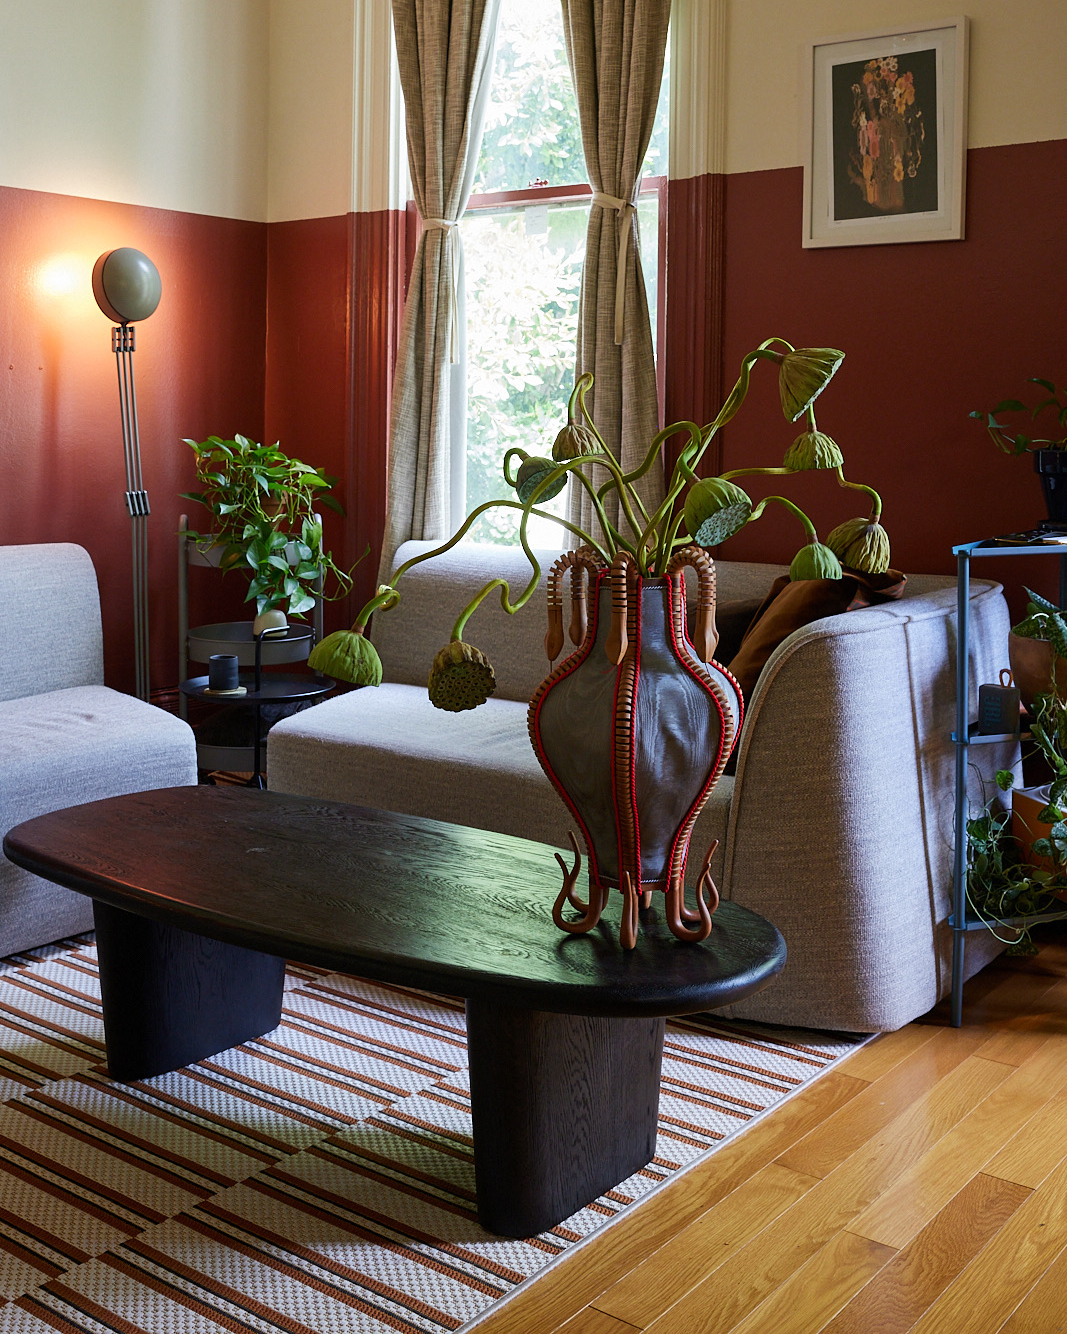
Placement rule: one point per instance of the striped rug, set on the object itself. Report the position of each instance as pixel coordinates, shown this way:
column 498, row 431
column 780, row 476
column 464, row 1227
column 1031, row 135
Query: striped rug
column 319, row 1180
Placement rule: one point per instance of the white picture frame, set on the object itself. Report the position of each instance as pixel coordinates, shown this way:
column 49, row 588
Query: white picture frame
column 885, row 136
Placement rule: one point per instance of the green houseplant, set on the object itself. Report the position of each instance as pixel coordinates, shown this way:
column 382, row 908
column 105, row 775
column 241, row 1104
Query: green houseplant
column 1037, row 650
column 263, row 504
column 1050, row 452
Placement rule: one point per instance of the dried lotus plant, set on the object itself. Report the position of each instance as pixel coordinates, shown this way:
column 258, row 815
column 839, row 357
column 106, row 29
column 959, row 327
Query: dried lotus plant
column 695, row 511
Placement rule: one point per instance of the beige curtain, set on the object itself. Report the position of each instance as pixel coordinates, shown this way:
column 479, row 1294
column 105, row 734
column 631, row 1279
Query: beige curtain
column 615, row 49
column 445, row 54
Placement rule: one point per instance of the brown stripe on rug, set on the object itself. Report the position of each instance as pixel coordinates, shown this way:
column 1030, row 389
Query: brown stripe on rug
column 320, row 1178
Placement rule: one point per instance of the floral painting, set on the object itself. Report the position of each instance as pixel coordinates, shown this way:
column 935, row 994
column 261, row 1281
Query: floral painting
column 885, row 136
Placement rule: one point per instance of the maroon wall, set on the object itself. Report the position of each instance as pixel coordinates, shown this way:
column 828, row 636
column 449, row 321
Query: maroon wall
column 199, row 369
column 334, row 302
column 930, row 331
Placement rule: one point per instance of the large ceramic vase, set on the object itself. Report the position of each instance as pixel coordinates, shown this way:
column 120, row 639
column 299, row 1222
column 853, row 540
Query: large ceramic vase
column 634, row 729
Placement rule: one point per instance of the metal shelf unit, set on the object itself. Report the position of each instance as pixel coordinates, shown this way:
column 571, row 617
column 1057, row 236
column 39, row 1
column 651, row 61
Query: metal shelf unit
column 967, row 735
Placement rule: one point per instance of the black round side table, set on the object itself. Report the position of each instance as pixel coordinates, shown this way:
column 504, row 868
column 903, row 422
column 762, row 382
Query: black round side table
column 274, row 688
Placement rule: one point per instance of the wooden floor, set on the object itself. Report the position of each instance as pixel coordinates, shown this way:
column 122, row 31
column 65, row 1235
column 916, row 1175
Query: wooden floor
column 922, row 1185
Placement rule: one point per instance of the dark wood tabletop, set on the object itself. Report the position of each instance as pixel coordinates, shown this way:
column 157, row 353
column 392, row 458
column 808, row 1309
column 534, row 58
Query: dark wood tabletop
column 385, row 896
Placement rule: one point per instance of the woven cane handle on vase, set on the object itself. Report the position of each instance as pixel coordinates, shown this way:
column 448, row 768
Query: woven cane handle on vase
column 622, row 568
column 581, row 563
column 705, row 634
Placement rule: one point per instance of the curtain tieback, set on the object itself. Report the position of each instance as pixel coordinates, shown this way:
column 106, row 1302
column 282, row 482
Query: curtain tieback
column 626, row 208
column 446, row 225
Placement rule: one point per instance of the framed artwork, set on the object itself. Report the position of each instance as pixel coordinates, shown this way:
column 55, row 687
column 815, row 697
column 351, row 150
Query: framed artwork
column 886, row 136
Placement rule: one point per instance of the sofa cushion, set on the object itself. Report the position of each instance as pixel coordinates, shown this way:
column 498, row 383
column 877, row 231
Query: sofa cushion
column 64, row 748
column 389, row 748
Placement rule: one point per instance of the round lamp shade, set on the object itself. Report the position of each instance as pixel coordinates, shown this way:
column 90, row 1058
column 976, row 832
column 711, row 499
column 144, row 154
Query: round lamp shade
column 126, row 285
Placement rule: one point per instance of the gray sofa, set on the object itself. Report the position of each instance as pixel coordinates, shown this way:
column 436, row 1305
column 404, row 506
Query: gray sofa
column 837, row 825
column 65, row 738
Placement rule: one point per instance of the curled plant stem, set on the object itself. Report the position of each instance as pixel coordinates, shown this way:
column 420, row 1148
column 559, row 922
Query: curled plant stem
column 388, row 594
column 617, row 481
column 809, row 527
column 876, row 499
column 695, row 451
column 581, row 386
column 748, row 472
column 612, row 536
column 512, row 453
column 505, row 592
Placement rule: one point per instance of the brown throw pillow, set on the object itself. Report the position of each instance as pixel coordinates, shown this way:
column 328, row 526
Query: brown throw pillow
column 793, row 603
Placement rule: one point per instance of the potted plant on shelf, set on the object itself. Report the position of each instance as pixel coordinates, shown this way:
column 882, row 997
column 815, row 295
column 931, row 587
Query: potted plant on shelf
column 263, row 506
column 599, row 720
column 1050, row 453
column 1017, row 857
column 1037, row 650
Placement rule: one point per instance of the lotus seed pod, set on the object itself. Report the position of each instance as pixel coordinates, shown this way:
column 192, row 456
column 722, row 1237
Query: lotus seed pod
column 575, row 441
column 862, row 544
column 461, row 677
column 347, row 655
column 812, row 449
column 532, row 472
column 815, row 561
column 802, row 376
column 715, row 509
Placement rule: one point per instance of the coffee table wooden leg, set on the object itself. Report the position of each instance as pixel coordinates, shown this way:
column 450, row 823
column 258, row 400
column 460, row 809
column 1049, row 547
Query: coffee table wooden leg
column 171, row 997
column 564, row 1108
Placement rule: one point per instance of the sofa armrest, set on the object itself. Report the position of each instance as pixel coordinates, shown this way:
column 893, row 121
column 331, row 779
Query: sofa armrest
column 49, row 620
column 841, row 827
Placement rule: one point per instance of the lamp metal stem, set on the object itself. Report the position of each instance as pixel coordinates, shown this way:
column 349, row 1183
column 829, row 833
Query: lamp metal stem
column 123, row 344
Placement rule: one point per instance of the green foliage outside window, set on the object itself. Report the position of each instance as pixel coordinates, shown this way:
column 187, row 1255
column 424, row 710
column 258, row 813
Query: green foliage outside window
column 522, row 290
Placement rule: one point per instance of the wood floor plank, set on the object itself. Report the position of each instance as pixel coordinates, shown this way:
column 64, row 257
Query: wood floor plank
column 879, row 1056
column 668, row 1274
column 917, row 1196
column 1002, row 991
column 986, row 1294
column 898, row 1295
column 730, row 1293
column 831, row 1142
column 1035, row 1150
column 1030, row 1028
column 820, row 1288
column 1044, row 1309
column 590, row 1321
column 575, row 1282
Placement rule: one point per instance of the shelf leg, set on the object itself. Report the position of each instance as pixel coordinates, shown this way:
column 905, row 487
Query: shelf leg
column 963, row 712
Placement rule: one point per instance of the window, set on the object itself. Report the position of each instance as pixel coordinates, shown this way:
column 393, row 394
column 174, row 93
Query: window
column 524, row 243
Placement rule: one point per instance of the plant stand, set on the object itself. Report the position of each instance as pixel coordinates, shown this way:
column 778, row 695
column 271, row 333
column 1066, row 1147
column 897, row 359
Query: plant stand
column 197, row 644
column 966, row 735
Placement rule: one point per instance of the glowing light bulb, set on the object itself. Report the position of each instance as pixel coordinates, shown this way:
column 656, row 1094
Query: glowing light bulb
column 62, row 275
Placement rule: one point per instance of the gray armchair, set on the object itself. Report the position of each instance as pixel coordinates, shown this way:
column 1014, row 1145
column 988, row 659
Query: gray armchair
column 65, row 738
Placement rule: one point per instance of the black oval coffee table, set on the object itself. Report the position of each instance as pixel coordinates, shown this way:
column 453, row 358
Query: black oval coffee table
column 201, row 893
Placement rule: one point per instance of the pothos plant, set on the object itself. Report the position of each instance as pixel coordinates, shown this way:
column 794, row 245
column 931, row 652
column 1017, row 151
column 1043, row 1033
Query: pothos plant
column 263, row 507
column 1044, row 620
column 1018, row 442
column 1001, row 885
column 705, row 511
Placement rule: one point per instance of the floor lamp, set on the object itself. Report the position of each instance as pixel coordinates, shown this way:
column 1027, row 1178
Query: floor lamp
column 127, row 287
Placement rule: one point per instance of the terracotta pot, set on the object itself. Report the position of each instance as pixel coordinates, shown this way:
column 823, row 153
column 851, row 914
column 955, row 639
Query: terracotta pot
column 634, row 746
column 1031, row 662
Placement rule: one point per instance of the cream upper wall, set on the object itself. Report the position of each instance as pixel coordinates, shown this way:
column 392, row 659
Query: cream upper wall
column 155, row 102
column 311, row 98
column 1018, row 89
column 334, row 92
